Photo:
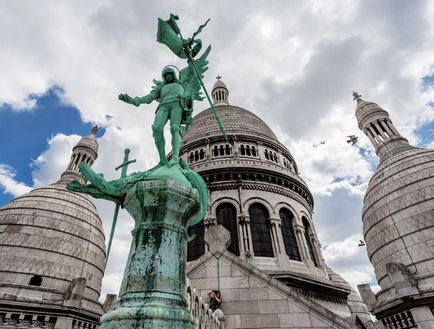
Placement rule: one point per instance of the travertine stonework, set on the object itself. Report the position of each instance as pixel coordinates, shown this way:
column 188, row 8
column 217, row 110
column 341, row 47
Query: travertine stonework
column 52, row 254
column 398, row 224
column 280, row 288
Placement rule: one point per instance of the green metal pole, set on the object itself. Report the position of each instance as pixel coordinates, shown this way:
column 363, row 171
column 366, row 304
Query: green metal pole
column 124, row 167
column 112, row 232
column 214, row 112
column 191, row 60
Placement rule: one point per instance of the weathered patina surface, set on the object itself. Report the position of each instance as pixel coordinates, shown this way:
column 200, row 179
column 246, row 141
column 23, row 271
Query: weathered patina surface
column 152, row 294
column 164, row 201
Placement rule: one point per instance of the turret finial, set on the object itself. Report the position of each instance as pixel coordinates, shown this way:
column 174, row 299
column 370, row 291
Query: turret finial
column 95, row 129
column 218, row 77
column 357, row 97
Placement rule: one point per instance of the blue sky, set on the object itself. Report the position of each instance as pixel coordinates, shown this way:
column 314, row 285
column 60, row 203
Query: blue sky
column 25, row 134
column 295, row 64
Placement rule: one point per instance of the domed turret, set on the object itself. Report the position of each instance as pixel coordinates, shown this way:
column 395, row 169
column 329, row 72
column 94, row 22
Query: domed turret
column 376, row 124
column 86, row 150
column 398, row 219
column 220, row 93
column 52, row 250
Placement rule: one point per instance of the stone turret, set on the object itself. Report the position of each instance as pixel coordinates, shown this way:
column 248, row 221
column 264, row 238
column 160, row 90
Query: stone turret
column 376, row 124
column 398, row 217
column 86, row 150
column 220, row 93
column 52, row 253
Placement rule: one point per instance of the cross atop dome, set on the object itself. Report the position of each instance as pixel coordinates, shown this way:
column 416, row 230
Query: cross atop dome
column 357, row 97
column 220, row 92
column 95, row 129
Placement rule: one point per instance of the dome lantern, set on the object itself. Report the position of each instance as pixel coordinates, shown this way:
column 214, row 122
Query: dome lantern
column 86, row 150
column 220, row 92
column 377, row 126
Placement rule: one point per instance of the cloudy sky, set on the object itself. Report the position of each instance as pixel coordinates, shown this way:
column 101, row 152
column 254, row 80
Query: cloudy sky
column 293, row 63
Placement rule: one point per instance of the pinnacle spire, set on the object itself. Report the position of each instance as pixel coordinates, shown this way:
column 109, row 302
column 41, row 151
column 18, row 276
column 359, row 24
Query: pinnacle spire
column 220, row 92
column 357, row 97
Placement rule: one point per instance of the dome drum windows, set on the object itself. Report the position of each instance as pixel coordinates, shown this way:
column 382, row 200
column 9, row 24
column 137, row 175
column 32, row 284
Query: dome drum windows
column 271, row 156
column 196, row 155
column 222, row 150
column 248, row 150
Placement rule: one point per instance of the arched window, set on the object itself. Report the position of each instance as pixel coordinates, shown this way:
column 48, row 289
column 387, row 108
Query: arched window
column 196, row 248
column 196, row 155
column 201, row 154
column 191, row 158
column 307, row 230
column 261, row 238
column 243, row 150
column 227, row 149
column 227, row 216
column 288, row 234
column 266, row 155
column 253, row 151
column 222, row 150
column 248, row 150
column 216, row 151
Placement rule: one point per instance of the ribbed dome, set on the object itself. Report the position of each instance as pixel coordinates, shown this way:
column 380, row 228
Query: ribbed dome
column 218, row 84
column 89, row 141
column 52, row 240
column 398, row 218
column 236, row 120
column 55, row 234
column 366, row 108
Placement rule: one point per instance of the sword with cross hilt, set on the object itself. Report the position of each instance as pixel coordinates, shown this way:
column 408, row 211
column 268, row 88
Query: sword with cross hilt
column 124, row 167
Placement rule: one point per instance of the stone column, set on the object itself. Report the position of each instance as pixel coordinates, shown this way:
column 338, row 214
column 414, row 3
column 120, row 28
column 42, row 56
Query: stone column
column 318, row 254
column 302, row 244
column 380, row 130
column 277, row 232
column 385, row 126
column 153, row 288
column 370, row 136
column 247, row 235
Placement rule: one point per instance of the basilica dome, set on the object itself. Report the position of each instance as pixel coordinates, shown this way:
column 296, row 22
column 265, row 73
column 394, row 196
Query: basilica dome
column 52, row 246
column 236, row 120
column 255, row 190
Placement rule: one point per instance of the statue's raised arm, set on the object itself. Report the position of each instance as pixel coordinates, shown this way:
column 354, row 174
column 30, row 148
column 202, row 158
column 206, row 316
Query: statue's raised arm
column 153, row 95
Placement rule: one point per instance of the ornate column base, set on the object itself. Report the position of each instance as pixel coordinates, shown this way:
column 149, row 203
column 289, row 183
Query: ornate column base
column 154, row 284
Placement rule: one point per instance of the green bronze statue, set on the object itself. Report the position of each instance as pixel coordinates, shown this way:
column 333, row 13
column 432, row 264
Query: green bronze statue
column 164, row 201
column 175, row 97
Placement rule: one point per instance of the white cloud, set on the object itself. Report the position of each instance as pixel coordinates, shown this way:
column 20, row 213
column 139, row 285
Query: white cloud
column 53, row 161
column 294, row 64
column 9, row 184
column 349, row 260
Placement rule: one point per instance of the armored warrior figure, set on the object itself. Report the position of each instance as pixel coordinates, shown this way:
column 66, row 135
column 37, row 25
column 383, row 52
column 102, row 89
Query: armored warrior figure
column 176, row 98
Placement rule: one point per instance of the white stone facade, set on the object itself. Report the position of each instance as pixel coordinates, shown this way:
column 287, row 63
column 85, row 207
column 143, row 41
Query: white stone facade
column 250, row 170
column 398, row 225
column 52, row 254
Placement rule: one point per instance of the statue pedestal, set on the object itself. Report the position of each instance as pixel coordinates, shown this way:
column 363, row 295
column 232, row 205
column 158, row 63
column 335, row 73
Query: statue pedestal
column 153, row 288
